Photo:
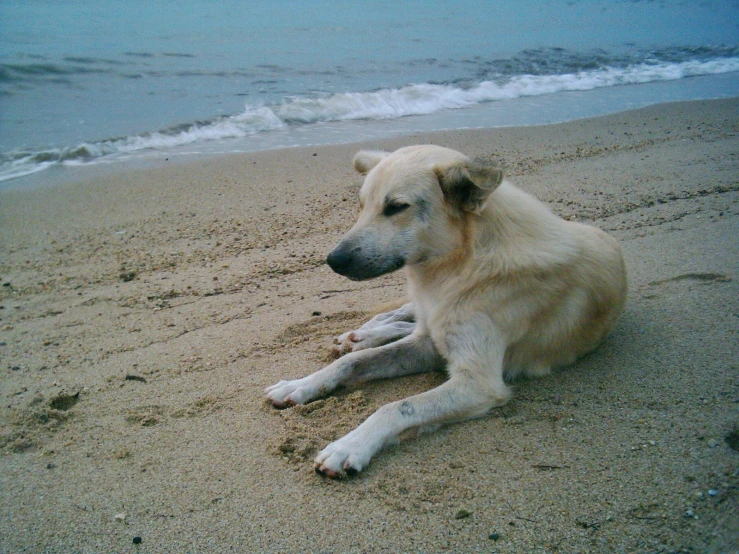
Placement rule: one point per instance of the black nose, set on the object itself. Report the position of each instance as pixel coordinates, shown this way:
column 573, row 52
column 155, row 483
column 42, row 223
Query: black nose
column 339, row 260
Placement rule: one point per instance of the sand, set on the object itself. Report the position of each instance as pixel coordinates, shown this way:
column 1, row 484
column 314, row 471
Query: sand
column 143, row 313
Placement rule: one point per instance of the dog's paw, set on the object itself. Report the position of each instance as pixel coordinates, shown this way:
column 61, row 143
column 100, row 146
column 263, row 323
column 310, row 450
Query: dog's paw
column 371, row 335
column 351, row 341
column 289, row 393
column 342, row 457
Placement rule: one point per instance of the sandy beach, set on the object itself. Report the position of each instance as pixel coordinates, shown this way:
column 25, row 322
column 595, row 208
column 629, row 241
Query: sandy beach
column 142, row 314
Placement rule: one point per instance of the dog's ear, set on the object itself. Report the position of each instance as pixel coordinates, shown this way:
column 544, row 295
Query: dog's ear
column 468, row 184
column 365, row 160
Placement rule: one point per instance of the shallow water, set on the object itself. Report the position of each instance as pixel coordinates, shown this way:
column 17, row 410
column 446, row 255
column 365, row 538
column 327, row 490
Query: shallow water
column 86, row 82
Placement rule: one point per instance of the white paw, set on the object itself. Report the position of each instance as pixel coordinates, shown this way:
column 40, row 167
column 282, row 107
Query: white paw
column 372, row 336
column 351, row 341
column 289, row 393
column 342, row 457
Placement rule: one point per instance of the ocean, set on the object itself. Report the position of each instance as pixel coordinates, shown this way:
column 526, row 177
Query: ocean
column 85, row 82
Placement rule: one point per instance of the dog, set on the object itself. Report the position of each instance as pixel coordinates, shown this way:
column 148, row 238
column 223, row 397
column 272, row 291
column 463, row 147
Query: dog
column 499, row 287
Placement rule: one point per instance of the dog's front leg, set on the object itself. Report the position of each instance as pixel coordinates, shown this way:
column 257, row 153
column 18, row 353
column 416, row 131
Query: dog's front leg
column 413, row 354
column 475, row 353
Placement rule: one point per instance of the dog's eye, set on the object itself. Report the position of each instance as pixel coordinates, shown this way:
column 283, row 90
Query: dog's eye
column 392, row 208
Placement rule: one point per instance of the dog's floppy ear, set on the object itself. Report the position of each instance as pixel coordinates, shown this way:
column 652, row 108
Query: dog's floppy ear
column 467, row 185
column 365, row 160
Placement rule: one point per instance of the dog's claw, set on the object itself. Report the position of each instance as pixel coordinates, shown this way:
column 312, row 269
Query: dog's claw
column 345, row 343
column 287, row 403
column 325, row 472
column 342, row 458
column 348, row 471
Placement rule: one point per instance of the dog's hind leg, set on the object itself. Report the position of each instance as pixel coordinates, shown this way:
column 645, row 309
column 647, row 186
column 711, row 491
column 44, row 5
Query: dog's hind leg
column 381, row 329
column 412, row 354
column 475, row 353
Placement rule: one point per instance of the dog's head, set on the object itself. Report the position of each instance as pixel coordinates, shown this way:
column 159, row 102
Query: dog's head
column 414, row 206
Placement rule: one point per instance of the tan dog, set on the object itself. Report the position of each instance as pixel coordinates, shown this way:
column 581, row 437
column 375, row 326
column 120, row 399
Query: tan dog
column 499, row 287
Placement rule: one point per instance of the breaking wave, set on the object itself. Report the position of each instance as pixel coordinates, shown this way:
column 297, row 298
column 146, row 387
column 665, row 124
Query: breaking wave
column 416, row 99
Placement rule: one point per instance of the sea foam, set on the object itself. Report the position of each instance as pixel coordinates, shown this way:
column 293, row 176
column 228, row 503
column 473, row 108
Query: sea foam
column 389, row 103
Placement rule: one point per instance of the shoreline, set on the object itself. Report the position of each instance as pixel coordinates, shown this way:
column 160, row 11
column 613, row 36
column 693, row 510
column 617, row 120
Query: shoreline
column 144, row 311
column 523, row 111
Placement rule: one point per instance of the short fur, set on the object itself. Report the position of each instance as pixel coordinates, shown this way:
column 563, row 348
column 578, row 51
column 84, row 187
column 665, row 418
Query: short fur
column 499, row 287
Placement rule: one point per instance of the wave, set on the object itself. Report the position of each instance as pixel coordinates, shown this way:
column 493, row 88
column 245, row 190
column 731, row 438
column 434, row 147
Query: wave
column 23, row 162
column 534, row 61
column 390, row 103
column 10, row 72
column 559, row 61
column 425, row 99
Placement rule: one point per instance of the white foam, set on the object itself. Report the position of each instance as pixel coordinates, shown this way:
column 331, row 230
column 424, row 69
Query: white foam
column 423, row 99
column 15, row 170
column 417, row 99
column 250, row 121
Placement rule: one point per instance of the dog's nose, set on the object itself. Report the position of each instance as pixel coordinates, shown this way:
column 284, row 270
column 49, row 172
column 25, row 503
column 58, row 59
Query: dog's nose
column 339, row 260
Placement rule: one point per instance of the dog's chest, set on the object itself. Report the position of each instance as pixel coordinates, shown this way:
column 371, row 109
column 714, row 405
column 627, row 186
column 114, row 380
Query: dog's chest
column 433, row 312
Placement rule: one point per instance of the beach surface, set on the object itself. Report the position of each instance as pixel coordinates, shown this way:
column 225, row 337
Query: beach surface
column 144, row 312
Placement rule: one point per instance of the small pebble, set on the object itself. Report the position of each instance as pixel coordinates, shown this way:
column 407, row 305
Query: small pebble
column 50, row 465
column 713, row 443
column 712, row 492
column 461, row 514
column 137, row 540
column 689, row 513
column 494, row 536
column 120, row 517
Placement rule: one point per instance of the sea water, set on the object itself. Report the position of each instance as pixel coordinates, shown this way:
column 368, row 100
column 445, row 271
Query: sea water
column 85, row 82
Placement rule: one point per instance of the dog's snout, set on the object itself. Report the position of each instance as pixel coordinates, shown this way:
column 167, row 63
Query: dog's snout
column 339, row 259
column 362, row 262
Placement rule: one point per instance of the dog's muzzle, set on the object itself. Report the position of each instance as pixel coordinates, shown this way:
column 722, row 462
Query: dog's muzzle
column 351, row 262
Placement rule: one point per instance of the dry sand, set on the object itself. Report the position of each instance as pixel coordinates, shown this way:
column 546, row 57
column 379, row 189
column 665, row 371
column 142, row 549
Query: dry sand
column 144, row 312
